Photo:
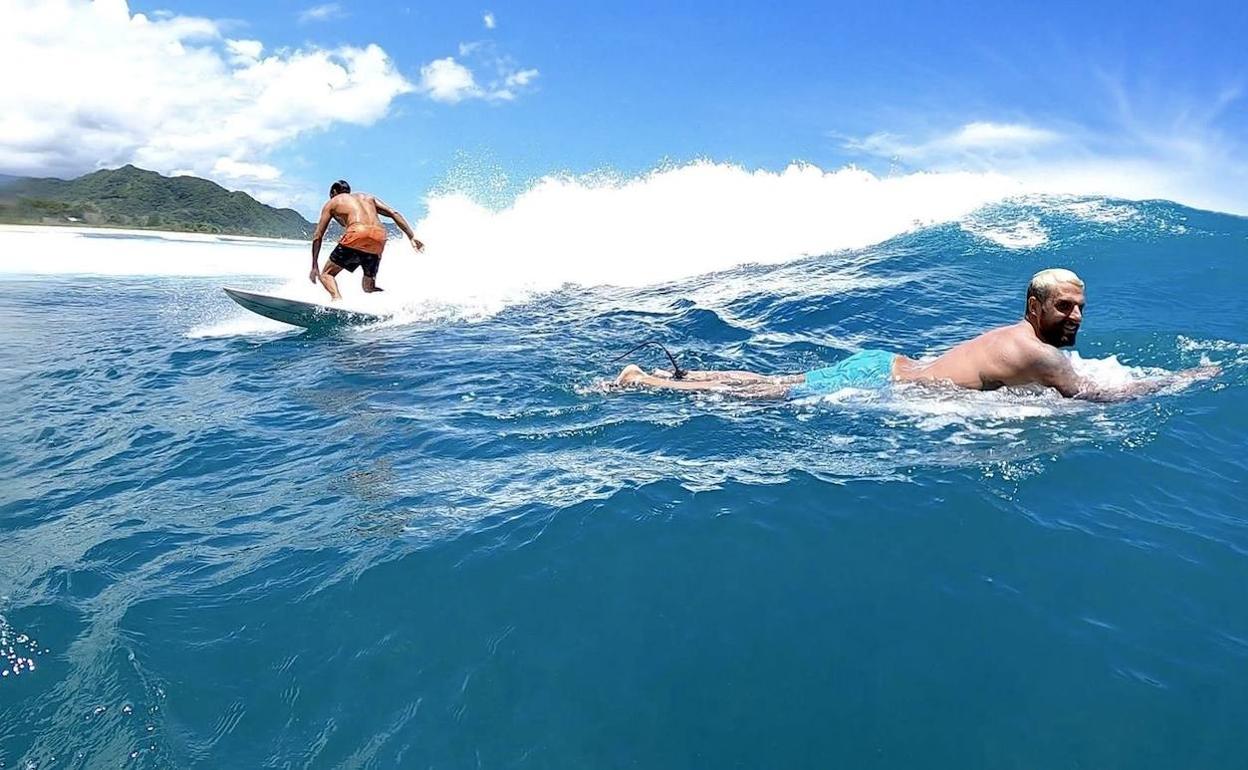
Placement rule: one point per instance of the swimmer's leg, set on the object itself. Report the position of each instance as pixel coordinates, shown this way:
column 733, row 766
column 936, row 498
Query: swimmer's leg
column 734, row 376
column 759, row 387
column 633, row 375
column 774, row 390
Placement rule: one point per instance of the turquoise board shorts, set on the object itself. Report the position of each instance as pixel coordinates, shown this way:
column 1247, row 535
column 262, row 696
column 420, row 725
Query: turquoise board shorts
column 866, row 369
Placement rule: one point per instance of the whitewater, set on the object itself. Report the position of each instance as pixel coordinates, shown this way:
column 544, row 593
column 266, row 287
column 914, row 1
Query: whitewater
column 440, row 541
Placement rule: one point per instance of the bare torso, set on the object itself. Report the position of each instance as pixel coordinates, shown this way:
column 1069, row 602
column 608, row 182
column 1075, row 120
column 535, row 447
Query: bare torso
column 354, row 208
column 994, row 359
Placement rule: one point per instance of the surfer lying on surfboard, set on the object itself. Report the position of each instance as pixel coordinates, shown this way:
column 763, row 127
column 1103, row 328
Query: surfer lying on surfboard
column 362, row 241
column 1023, row 353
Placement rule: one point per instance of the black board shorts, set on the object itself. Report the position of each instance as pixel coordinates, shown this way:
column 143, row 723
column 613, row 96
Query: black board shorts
column 349, row 259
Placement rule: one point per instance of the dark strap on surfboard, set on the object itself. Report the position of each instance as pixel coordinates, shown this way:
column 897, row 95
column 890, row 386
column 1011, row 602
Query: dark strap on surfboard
column 677, row 372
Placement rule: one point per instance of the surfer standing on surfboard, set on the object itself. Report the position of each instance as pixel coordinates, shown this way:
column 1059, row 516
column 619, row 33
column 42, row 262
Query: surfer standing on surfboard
column 363, row 240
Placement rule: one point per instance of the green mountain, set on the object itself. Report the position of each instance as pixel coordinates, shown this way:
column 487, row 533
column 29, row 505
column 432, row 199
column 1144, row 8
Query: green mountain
column 133, row 197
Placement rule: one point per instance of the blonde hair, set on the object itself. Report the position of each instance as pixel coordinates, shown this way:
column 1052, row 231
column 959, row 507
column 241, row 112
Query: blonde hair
column 1043, row 282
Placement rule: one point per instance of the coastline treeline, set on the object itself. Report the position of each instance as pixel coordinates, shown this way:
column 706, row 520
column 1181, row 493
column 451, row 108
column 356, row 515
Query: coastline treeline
column 135, row 198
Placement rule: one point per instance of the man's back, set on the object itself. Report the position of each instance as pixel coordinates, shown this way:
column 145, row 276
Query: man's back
column 354, row 208
column 1003, row 356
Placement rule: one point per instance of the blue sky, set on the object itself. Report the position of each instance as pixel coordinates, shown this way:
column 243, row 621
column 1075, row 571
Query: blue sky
column 581, row 87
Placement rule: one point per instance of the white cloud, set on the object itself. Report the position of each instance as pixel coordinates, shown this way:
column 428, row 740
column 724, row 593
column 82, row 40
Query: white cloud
column 452, row 81
column 997, row 135
column 323, row 12
column 244, row 51
column 446, row 80
column 1182, row 154
column 101, row 87
column 238, row 170
column 489, row 20
column 521, row 78
column 970, row 139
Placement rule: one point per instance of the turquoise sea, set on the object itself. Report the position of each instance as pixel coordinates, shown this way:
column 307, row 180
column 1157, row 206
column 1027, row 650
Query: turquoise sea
column 440, row 543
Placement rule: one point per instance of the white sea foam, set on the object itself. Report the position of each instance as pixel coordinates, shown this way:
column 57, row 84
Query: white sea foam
column 1098, row 211
column 1235, row 352
column 1021, row 234
column 693, row 219
column 248, row 324
column 68, row 251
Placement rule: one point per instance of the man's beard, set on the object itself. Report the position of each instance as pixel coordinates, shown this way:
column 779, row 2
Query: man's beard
column 1058, row 336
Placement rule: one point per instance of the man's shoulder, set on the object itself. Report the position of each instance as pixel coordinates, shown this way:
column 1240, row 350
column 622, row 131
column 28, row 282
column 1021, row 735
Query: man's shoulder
column 1023, row 337
column 1041, row 360
column 1018, row 346
column 1026, row 359
column 1007, row 339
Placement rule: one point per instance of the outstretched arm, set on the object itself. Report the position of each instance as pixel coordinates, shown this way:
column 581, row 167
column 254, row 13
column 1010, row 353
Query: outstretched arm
column 1055, row 371
column 321, row 225
column 382, row 208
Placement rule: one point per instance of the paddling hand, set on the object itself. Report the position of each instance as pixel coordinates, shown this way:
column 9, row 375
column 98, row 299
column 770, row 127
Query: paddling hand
column 417, row 244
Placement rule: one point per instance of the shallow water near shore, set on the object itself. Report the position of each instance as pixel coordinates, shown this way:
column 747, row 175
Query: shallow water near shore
column 439, row 542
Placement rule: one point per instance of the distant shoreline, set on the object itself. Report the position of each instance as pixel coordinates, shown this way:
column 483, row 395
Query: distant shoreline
column 174, row 235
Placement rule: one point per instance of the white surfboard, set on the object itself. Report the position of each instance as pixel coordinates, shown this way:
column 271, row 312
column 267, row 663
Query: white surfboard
column 309, row 315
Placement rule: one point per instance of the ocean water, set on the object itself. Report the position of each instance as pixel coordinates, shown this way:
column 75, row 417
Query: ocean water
column 440, row 542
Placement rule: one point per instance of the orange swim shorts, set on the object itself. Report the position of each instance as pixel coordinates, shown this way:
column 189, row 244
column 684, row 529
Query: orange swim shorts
column 370, row 239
